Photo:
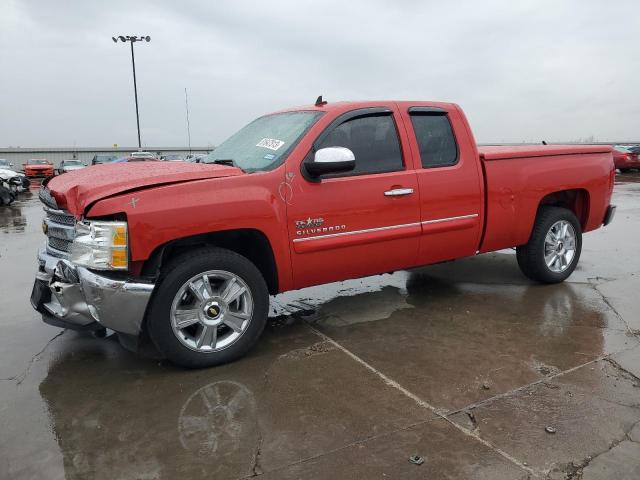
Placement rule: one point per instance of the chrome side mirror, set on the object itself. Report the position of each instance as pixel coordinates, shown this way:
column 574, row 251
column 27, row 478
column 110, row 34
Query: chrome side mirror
column 330, row 160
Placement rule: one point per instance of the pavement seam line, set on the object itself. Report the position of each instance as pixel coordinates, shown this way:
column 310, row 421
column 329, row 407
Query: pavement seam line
column 524, row 387
column 392, row 383
column 606, row 358
column 343, row 447
column 21, row 377
column 608, row 303
column 621, row 368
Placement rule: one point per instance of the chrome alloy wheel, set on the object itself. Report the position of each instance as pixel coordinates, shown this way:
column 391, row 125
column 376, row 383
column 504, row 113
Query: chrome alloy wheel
column 211, row 311
column 560, row 246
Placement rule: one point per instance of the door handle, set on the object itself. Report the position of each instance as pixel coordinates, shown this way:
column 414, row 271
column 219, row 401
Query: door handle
column 398, row 192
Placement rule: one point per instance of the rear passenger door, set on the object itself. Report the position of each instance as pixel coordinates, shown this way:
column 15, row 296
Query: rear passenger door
column 450, row 182
column 361, row 222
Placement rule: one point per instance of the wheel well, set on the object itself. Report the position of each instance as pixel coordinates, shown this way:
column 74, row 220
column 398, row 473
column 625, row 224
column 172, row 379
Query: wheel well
column 251, row 244
column 576, row 200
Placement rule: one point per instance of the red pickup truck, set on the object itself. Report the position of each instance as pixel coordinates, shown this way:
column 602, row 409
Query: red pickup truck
column 186, row 255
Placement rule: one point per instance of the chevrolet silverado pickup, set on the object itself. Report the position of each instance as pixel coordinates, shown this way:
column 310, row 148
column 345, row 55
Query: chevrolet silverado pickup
column 186, row 255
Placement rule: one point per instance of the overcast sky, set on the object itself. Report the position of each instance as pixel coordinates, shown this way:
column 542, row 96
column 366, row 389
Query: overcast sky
column 526, row 70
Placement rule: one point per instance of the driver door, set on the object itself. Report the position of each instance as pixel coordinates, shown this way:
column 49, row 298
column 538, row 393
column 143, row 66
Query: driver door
column 361, row 222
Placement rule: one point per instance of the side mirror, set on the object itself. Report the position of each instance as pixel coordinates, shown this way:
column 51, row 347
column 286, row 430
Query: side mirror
column 11, row 164
column 330, row 160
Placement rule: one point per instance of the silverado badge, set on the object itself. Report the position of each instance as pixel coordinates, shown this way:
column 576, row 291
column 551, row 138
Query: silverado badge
column 314, row 225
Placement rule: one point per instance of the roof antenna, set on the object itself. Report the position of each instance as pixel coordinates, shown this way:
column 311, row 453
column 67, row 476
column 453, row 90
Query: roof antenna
column 320, row 102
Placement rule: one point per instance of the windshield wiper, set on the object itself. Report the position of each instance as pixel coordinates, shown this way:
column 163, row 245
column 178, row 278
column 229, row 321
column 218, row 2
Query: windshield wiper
column 226, row 161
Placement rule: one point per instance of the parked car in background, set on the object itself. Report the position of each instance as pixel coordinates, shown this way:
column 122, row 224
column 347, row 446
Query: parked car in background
column 196, row 158
column 38, row 167
column 15, row 179
column 5, row 164
column 144, row 155
column 100, row 158
column 8, row 174
column 131, row 158
column 625, row 158
column 173, row 157
column 187, row 256
column 7, row 193
column 70, row 165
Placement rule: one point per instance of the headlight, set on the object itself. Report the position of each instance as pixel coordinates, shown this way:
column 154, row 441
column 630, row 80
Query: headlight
column 101, row 245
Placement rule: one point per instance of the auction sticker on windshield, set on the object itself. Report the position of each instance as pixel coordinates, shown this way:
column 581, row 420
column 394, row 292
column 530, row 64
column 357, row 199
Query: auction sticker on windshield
column 270, row 143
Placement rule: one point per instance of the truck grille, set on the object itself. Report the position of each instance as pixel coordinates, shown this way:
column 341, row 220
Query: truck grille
column 63, row 218
column 59, row 226
column 45, row 197
column 58, row 244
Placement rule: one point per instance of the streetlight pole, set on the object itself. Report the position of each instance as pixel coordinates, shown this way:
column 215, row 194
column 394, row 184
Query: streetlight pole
column 133, row 39
column 186, row 106
column 135, row 94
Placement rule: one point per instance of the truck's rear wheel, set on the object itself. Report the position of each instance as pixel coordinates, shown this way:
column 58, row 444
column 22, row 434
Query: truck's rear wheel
column 554, row 248
column 210, row 308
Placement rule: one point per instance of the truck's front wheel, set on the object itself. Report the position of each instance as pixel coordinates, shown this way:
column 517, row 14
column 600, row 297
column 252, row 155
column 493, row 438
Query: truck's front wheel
column 554, row 248
column 210, row 308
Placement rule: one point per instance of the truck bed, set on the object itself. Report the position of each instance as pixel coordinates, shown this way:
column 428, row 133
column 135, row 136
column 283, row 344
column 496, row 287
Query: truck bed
column 515, row 189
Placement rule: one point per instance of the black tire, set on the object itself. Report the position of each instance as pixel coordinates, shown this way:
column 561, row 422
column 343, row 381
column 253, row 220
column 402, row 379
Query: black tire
column 175, row 275
column 531, row 256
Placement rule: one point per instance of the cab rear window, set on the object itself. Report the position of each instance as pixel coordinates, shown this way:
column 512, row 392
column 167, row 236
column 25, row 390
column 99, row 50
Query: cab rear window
column 435, row 139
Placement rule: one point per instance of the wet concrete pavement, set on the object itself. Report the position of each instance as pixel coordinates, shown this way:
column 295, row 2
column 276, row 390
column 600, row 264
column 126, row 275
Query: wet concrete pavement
column 464, row 364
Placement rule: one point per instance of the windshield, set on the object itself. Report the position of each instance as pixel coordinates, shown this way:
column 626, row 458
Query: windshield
column 622, row 149
column 37, row 162
column 265, row 142
column 3, row 163
column 72, row 162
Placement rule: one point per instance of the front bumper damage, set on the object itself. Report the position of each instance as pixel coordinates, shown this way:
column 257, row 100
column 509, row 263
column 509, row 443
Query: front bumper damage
column 74, row 297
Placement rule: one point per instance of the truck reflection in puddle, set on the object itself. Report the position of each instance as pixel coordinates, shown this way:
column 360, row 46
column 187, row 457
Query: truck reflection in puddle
column 214, row 418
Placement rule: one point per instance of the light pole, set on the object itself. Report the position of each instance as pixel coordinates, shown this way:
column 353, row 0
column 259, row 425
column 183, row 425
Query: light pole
column 186, row 106
column 133, row 39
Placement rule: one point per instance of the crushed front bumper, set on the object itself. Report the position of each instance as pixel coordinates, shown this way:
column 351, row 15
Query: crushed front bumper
column 75, row 297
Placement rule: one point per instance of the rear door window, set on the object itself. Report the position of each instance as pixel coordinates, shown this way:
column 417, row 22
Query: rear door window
column 435, row 139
